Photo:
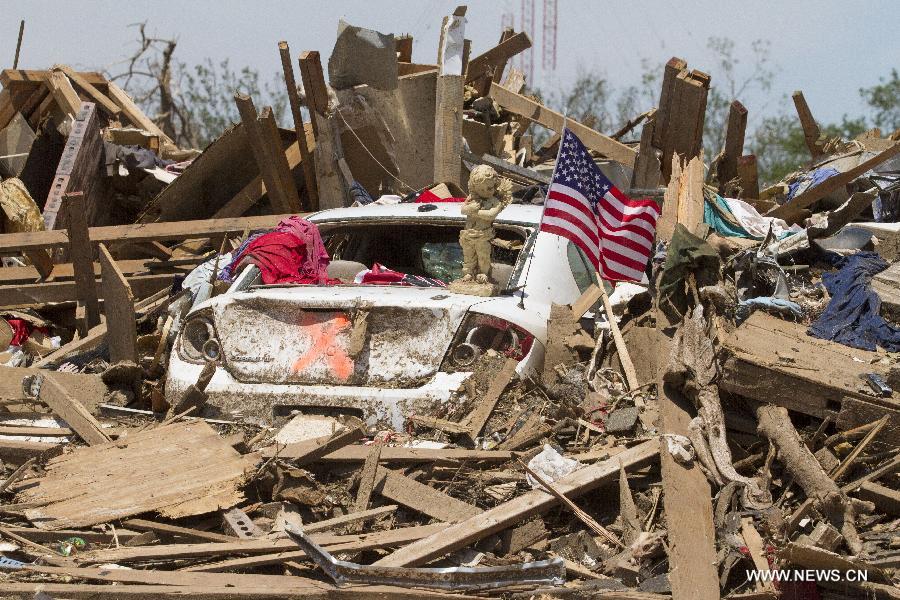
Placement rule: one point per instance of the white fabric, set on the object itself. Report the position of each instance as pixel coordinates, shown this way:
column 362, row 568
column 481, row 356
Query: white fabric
column 756, row 224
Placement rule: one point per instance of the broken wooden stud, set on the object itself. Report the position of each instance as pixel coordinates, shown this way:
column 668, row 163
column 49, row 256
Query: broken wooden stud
column 269, row 155
column 366, row 484
column 404, row 48
column 118, row 305
column 195, row 395
column 734, row 144
column 672, row 69
column 811, row 133
column 309, row 172
column 449, row 104
column 82, row 256
column 71, row 411
column 621, row 347
column 748, row 177
column 314, row 89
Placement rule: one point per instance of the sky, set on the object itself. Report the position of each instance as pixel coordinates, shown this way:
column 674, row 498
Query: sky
column 826, row 48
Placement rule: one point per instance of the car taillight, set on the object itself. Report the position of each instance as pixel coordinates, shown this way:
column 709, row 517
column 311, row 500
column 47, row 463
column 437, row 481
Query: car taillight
column 198, row 340
column 479, row 333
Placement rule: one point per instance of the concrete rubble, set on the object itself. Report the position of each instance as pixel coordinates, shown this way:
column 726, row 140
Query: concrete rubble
column 737, row 411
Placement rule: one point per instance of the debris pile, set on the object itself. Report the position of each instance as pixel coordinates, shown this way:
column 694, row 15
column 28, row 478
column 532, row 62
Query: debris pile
column 214, row 386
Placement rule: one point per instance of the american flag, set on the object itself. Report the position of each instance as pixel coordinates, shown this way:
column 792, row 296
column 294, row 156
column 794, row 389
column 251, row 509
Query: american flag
column 614, row 231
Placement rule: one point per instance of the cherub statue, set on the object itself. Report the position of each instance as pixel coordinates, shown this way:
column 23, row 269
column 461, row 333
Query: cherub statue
column 488, row 195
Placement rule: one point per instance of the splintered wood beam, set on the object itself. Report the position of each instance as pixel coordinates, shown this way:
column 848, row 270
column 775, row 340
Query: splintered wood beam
column 118, row 305
column 82, row 256
column 748, row 176
column 448, row 110
column 670, row 72
column 65, row 95
column 96, row 95
column 537, row 112
column 516, row 511
column 269, row 130
column 70, row 410
column 133, row 113
column 311, row 450
column 314, row 88
column 647, row 167
column 490, row 62
column 478, row 418
column 309, row 172
column 422, row 498
column 687, row 500
column 734, row 143
column 811, row 133
column 259, row 133
column 684, row 126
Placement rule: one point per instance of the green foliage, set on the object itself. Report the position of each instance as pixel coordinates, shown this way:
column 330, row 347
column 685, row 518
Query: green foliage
column 206, row 92
column 884, row 100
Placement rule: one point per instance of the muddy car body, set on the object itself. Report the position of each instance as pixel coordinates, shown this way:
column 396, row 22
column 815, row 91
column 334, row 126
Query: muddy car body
column 383, row 352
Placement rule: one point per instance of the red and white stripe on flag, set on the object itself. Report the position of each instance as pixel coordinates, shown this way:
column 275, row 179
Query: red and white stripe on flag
column 614, row 231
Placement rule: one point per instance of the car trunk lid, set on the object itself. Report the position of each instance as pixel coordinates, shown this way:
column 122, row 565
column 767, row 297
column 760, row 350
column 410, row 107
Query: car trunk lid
column 338, row 335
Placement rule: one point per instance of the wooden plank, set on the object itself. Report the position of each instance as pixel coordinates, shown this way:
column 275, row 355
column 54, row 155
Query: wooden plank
column 460, row 535
column 550, row 119
column 260, row 134
column 748, row 176
column 65, row 291
column 791, row 209
column 88, row 88
column 64, row 94
column 93, row 339
column 314, row 88
column 772, row 360
column 448, row 114
column 330, row 541
column 134, row 114
column 16, row 452
column 174, row 530
column 811, row 133
column 395, row 454
column 79, row 169
column 404, row 48
column 35, row 78
column 118, row 306
column 185, row 469
column 478, row 418
column 422, row 498
column 673, row 67
column 687, row 500
column 12, row 243
column 685, row 125
column 81, row 254
column 70, row 410
column 647, row 166
column 309, row 173
column 884, row 498
column 489, row 62
column 735, row 130
column 311, row 450
column 366, row 480
column 89, row 389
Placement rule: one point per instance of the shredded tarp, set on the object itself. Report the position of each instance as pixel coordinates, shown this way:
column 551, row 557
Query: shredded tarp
column 853, row 316
column 686, row 254
column 809, row 180
column 731, row 217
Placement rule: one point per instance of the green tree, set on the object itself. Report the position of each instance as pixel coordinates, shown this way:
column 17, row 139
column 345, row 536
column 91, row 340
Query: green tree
column 884, row 100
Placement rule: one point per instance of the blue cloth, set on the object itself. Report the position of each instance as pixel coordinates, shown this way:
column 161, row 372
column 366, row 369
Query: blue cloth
column 227, row 272
column 779, row 305
column 814, row 179
column 712, row 216
column 853, row 316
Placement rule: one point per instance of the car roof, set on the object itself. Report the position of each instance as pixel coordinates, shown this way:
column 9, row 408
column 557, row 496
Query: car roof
column 514, row 214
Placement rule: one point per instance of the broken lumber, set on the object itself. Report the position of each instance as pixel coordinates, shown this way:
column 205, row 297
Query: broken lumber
column 734, row 144
column 266, row 146
column 478, row 418
column 82, row 256
column 185, row 469
column 811, row 133
column 70, row 410
column 537, row 112
column 420, row 497
column 309, row 173
column 310, row 450
column 118, row 306
column 449, row 103
column 518, row 510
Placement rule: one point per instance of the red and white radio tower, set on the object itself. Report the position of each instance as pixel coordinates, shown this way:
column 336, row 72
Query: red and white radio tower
column 548, row 62
column 526, row 62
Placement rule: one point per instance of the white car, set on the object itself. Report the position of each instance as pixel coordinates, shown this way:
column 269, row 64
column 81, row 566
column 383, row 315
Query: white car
column 381, row 352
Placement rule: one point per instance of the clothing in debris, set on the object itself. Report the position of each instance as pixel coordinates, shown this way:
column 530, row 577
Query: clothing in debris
column 686, row 254
column 359, row 195
column 429, row 197
column 853, row 316
column 230, row 270
column 769, row 304
column 380, row 275
column 291, row 253
column 731, row 217
column 809, row 180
